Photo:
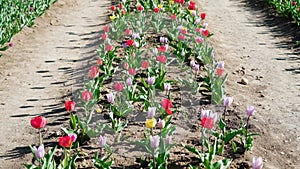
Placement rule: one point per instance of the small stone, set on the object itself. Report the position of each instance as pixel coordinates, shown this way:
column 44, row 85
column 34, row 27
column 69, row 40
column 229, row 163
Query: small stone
column 282, row 153
column 244, row 81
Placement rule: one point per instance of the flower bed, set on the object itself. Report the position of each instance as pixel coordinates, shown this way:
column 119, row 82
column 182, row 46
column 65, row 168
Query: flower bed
column 156, row 98
column 16, row 14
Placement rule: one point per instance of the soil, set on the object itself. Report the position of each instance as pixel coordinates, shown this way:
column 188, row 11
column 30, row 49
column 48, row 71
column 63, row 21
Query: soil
column 54, row 56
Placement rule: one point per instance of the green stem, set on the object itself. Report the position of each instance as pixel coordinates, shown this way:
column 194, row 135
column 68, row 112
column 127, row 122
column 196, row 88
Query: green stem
column 40, row 137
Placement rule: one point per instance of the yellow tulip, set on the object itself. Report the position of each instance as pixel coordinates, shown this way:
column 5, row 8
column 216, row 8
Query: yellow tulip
column 171, row 2
column 150, row 123
column 113, row 17
column 160, row 6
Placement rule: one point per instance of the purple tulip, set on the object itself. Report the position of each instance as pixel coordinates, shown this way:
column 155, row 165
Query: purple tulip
column 250, row 110
column 169, row 140
column 192, row 63
column 154, row 141
column 257, row 163
column 227, row 101
column 11, row 44
column 197, row 21
column 151, row 112
column 167, row 87
column 220, row 64
column 39, row 152
column 196, row 67
column 110, row 98
column 102, row 141
column 129, row 81
column 205, row 25
column 151, row 80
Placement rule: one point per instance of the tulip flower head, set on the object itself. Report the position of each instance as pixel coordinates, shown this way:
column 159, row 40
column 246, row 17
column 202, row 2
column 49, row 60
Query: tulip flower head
column 106, row 28
column 11, row 44
column 145, row 64
column 38, row 122
column 99, row 62
column 250, row 110
column 257, row 163
column 161, row 123
column 227, row 101
column 102, row 141
column 162, row 59
column 118, row 87
column 154, row 141
column 73, row 137
column 151, row 80
column 39, row 152
column 168, row 140
column 208, row 119
column 132, row 71
column 167, row 105
column 150, row 123
column 167, row 86
column 196, row 67
column 205, row 32
column 94, row 72
column 203, row 15
column 65, row 141
column 70, row 105
column 110, row 98
column 129, row 81
column 151, row 112
column 86, row 96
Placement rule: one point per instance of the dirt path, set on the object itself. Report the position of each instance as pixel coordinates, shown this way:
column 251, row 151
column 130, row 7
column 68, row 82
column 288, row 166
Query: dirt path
column 39, row 73
column 247, row 43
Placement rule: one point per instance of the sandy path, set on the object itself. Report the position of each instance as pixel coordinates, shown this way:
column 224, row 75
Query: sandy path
column 41, row 71
column 245, row 41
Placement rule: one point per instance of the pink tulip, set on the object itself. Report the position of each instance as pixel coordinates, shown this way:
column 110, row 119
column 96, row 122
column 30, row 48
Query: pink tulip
column 151, row 112
column 102, row 141
column 161, row 123
column 162, row 59
column 132, row 71
column 86, row 96
column 39, row 152
column 129, row 81
column 154, row 141
column 118, row 87
column 151, row 80
column 181, row 37
column 227, row 101
column 250, row 110
column 110, row 98
column 94, row 71
column 73, row 137
column 257, row 163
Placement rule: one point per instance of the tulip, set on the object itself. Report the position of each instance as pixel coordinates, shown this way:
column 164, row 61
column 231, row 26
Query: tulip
column 129, row 81
column 162, row 48
column 208, row 119
column 167, row 87
column 86, row 96
column 145, row 64
column 250, row 110
column 73, row 137
column 204, row 113
column 11, row 44
column 125, row 65
column 257, row 163
column 294, row 3
column 163, row 40
column 70, row 105
column 39, row 152
column 192, row 63
column 151, row 80
column 106, row 28
column 155, row 51
column 203, row 15
column 99, row 62
column 150, row 123
column 156, row 10
column 227, row 101
column 104, row 36
column 110, row 98
column 162, row 59
column 135, row 35
column 166, row 103
column 102, row 141
column 31, row 8
column 136, row 44
column 161, row 123
column 151, row 112
column 118, row 87
column 109, row 48
column 199, row 39
column 132, row 71
column 113, row 8
column 65, row 141
column 38, row 122
column 196, row 67
column 154, row 141
column 220, row 71
column 94, row 71
column 205, row 32
column 181, row 37
column 173, row 16
column 221, row 64
column 140, row 8
column 197, row 21
column 128, row 32
column 205, row 25
column 129, row 42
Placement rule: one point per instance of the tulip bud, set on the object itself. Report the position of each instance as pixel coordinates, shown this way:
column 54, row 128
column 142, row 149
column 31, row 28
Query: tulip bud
column 38, row 122
column 39, row 152
column 118, row 87
column 110, row 98
column 250, row 110
column 102, row 141
column 151, row 112
column 167, row 87
column 150, row 123
column 220, row 64
column 151, row 80
column 129, row 81
column 227, row 101
column 196, row 67
column 161, row 123
column 86, row 96
column 169, row 140
column 192, row 63
column 73, row 137
column 257, row 163
column 70, row 105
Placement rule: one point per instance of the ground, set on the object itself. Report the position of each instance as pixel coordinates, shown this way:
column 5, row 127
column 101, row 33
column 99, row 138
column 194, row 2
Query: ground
column 49, row 63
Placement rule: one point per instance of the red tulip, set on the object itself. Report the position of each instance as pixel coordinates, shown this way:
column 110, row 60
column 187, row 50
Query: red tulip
column 162, row 48
column 94, row 71
column 156, row 10
column 162, row 59
column 86, row 96
column 121, row 6
column 145, row 64
column 123, row 12
column 205, row 32
column 140, row 8
column 181, row 37
column 113, row 8
column 166, row 103
column 38, row 122
column 70, row 105
column 128, row 32
column 173, row 16
column 109, row 48
column 294, row 3
column 118, row 87
column 104, row 36
column 220, row 71
column 203, row 15
column 129, row 42
column 65, row 141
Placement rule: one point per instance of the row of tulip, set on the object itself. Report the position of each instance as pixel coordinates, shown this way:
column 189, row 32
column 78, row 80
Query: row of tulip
column 139, row 68
column 15, row 15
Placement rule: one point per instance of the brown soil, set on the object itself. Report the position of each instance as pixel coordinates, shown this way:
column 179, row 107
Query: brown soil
column 53, row 59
